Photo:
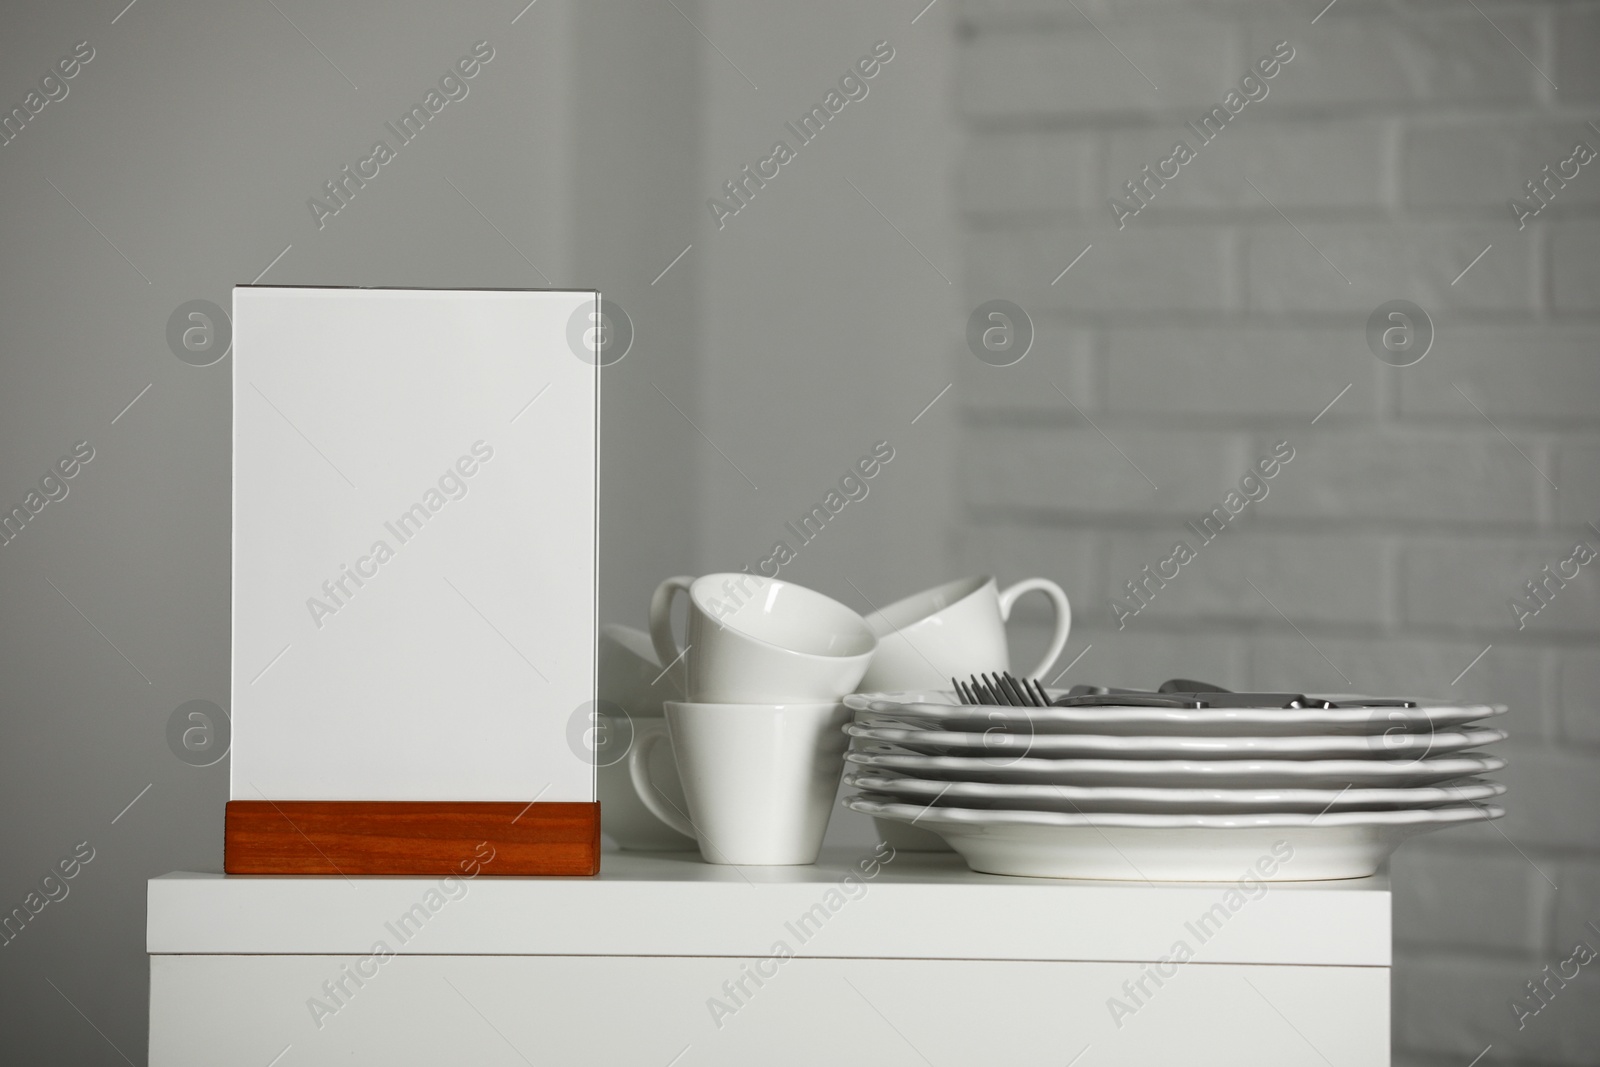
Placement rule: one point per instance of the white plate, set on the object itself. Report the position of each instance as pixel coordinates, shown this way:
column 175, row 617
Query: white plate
column 1173, row 774
column 942, row 708
column 1180, row 848
column 999, row 743
column 1196, row 801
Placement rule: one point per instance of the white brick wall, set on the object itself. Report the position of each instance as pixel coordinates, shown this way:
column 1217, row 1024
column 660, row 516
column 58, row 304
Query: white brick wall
column 1329, row 579
column 1233, row 371
column 1285, row 274
column 1314, row 164
column 1574, row 253
column 1578, row 687
column 1577, row 466
column 1452, row 898
column 1507, row 377
column 1073, row 468
column 1209, row 327
column 1144, row 267
column 1403, row 473
column 1072, row 72
column 1470, row 162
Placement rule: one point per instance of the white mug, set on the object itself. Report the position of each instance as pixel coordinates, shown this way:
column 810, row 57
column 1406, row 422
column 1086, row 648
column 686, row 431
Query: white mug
column 760, row 640
column 623, row 814
column 759, row 780
column 632, row 689
column 953, row 631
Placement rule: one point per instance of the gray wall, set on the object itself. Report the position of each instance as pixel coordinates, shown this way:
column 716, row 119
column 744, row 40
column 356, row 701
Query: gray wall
column 1207, row 329
column 191, row 142
column 630, row 160
column 830, row 301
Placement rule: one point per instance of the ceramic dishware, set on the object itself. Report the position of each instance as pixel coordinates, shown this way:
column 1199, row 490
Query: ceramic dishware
column 1227, row 774
column 623, row 815
column 1167, row 801
column 760, row 640
column 759, row 780
column 1188, row 848
column 943, row 708
column 998, row 743
column 1179, row 784
column 954, row 630
column 909, row 837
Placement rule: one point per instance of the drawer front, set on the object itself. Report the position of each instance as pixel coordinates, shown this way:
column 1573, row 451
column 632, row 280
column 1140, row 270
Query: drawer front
column 687, row 1011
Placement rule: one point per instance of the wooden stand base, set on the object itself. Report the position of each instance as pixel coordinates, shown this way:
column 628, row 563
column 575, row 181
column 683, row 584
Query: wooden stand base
column 418, row 838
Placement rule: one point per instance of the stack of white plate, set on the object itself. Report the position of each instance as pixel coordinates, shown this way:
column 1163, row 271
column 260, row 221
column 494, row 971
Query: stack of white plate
column 1172, row 793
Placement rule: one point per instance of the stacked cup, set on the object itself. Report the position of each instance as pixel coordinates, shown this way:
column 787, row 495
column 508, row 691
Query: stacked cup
column 954, row 630
column 758, row 737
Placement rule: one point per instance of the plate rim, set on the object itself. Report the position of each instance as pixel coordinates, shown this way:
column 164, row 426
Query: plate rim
column 967, row 818
column 1124, row 713
column 1487, row 735
column 1169, row 794
column 1485, row 763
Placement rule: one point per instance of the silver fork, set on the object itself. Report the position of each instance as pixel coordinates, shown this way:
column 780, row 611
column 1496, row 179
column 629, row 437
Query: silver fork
column 1002, row 690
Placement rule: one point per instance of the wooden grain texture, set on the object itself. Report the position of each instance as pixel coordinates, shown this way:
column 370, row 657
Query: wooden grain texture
column 352, row 837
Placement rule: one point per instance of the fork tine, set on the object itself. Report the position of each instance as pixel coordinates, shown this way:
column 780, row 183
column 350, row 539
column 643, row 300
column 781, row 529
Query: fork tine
column 1021, row 698
column 1024, row 691
column 1015, row 691
column 1003, row 680
column 1043, row 697
column 1020, row 688
column 1003, row 692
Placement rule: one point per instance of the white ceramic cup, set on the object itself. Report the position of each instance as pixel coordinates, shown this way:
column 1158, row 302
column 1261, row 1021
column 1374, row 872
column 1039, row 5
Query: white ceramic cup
column 632, row 690
column 760, row 640
column 759, row 779
column 953, row 631
column 623, row 814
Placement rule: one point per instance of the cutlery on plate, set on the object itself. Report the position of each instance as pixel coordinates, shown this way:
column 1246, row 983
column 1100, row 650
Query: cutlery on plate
column 1007, row 690
column 1002, row 690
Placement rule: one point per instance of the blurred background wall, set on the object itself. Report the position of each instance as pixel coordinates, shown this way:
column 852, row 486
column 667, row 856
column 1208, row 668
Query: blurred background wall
column 180, row 163
column 1225, row 315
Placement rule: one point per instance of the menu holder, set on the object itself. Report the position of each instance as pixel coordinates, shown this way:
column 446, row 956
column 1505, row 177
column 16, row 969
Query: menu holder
column 414, row 596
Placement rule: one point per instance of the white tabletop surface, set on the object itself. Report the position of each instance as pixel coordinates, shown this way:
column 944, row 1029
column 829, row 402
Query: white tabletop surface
column 914, row 906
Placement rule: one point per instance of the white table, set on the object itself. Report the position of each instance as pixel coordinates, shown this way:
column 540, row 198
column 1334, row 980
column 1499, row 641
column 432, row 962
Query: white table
column 666, row 960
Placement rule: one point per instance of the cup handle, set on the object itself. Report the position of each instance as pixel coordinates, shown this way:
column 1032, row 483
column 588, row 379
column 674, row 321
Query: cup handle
column 639, row 772
column 1063, row 607
column 661, row 629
